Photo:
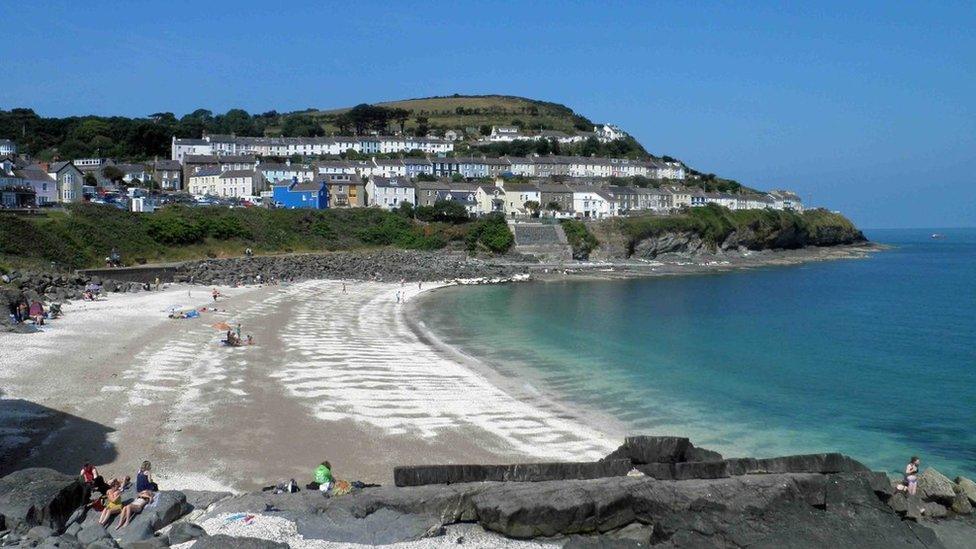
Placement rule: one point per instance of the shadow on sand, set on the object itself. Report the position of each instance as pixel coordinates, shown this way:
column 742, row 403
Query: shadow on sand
column 32, row 435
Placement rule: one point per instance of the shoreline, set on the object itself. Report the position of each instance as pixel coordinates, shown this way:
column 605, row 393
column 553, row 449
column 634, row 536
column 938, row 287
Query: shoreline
column 140, row 386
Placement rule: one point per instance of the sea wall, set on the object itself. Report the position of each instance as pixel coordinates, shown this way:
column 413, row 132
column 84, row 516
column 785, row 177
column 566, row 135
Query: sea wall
column 385, row 265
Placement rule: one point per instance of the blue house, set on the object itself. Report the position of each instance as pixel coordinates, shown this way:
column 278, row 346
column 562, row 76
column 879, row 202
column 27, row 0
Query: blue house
column 312, row 195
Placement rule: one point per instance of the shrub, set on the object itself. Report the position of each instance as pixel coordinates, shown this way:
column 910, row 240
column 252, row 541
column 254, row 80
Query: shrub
column 491, row 233
column 580, row 238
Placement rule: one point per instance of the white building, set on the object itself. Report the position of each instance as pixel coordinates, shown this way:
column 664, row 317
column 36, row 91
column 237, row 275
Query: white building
column 203, row 182
column 390, row 192
column 182, row 147
column 592, row 202
column 608, row 132
column 7, row 147
column 516, row 195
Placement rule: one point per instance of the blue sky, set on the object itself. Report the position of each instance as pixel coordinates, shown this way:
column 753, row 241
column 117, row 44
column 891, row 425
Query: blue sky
column 865, row 107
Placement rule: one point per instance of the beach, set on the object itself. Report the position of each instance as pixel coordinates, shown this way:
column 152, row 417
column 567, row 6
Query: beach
column 336, row 373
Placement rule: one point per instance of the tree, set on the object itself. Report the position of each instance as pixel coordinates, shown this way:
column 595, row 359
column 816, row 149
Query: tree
column 422, row 127
column 591, row 146
column 113, row 174
column 301, row 125
column 457, row 178
column 401, row 116
column 554, row 207
column 533, row 207
column 485, row 129
column 90, row 179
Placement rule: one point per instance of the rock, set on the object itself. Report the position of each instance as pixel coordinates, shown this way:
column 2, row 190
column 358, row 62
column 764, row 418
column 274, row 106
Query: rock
column 221, row 541
column 91, row 533
column 201, row 499
column 810, row 463
column 967, row 487
column 156, row 542
column 66, row 542
column 182, row 532
column 934, row 486
column 39, row 533
column 931, row 509
column 527, row 472
column 107, row 543
column 39, row 497
column 701, row 454
column 652, row 449
column 167, row 506
column 961, row 505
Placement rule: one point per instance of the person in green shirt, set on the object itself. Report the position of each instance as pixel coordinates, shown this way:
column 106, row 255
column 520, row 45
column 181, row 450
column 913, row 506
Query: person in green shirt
column 323, row 476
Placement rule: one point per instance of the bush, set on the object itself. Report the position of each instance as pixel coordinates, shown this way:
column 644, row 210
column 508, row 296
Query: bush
column 491, row 233
column 580, row 238
column 447, row 211
column 173, row 229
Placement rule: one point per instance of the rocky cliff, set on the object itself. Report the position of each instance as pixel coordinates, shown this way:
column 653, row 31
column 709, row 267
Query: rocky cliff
column 704, row 231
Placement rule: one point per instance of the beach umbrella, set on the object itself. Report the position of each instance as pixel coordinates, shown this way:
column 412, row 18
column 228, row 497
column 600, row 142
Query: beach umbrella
column 222, row 326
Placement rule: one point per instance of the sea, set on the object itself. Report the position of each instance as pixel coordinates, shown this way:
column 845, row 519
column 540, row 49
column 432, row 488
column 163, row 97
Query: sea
column 872, row 357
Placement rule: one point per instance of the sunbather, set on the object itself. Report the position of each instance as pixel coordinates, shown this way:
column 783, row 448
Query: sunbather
column 134, row 508
column 113, row 505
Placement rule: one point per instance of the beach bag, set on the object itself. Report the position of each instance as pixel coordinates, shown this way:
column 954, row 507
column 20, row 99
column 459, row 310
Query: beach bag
column 99, row 504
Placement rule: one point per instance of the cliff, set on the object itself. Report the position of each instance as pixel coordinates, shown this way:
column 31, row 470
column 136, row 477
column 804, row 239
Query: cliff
column 714, row 229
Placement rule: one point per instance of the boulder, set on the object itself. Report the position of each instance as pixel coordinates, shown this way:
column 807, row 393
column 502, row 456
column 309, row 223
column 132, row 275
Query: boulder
column 809, row 463
column 155, row 542
column 38, row 533
column 182, row 532
column 967, row 487
column 652, row 449
column 166, row 507
column 201, row 499
column 526, row 472
column 91, row 533
column 39, row 497
column 220, row 541
column 933, row 510
column 62, row 542
column 961, row 505
column 936, row 487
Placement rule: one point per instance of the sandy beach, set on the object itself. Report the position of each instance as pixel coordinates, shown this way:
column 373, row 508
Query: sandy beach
column 337, row 375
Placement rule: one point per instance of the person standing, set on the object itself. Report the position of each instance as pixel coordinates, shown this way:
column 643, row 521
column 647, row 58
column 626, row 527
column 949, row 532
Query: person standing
column 911, row 475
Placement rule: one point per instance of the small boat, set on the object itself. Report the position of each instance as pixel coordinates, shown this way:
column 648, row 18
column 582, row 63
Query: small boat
column 938, row 236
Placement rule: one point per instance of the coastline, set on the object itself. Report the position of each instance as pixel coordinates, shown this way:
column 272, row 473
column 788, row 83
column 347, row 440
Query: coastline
column 350, row 377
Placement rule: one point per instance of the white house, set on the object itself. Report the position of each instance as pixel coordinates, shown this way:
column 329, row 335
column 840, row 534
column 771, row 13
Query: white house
column 182, row 147
column 608, row 132
column 7, row 147
column 592, row 202
column 503, row 134
column 239, row 183
column 389, row 192
column 203, row 182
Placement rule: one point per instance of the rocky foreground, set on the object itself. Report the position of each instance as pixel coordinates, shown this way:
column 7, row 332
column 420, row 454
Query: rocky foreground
column 653, row 491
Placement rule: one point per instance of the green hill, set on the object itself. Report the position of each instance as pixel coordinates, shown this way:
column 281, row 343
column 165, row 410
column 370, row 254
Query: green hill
column 473, row 111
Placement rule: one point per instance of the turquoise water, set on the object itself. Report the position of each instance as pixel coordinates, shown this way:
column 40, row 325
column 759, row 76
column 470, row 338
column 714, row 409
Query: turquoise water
column 872, row 357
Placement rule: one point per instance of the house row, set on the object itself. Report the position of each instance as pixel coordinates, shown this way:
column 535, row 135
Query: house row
column 529, row 166
column 306, row 146
column 587, row 199
column 40, row 183
column 506, row 134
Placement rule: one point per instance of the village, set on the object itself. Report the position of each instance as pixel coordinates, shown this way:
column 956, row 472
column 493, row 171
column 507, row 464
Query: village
column 388, row 172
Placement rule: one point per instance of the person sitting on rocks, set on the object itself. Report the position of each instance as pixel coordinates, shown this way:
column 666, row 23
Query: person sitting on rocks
column 134, row 508
column 23, row 312
column 37, row 312
column 113, row 505
column 91, row 478
column 144, row 480
column 323, row 477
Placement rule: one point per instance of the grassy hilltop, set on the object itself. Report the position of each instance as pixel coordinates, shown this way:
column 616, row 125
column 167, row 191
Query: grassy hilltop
column 464, row 111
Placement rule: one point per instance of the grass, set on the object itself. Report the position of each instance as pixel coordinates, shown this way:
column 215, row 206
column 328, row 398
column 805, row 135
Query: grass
column 482, row 110
column 87, row 233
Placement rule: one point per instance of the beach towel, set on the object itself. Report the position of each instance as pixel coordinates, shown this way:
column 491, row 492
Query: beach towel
column 191, row 314
column 341, row 488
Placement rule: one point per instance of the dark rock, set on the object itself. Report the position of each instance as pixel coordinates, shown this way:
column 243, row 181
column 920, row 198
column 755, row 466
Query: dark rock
column 182, row 532
column 527, row 472
column 649, row 449
column 39, row 497
column 809, row 463
column 967, row 487
column 934, row 486
column 155, row 542
column 701, row 454
column 700, row 469
column 107, row 543
column 659, row 471
column 221, row 541
column 66, row 542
